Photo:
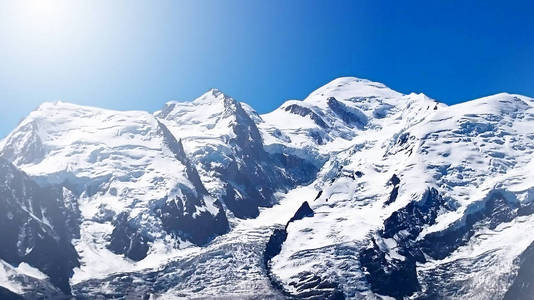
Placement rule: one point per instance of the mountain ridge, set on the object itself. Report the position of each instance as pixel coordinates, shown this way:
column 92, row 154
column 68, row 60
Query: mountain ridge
column 386, row 175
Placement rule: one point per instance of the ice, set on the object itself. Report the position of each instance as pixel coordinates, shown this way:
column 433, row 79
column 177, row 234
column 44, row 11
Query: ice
column 359, row 133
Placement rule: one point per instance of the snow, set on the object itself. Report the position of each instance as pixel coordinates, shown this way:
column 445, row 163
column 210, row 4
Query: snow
column 465, row 151
column 366, row 97
column 10, row 276
column 236, row 271
column 99, row 262
column 490, row 257
column 204, row 125
column 5, row 281
column 28, row 270
column 352, row 87
column 119, row 159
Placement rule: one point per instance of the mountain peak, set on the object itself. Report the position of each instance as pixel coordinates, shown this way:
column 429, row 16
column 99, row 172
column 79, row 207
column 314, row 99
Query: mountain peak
column 58, row 109
column 215, row 92
column 390, row 177
column 501, row 103
column 350, row 87
column 350, row 79
column 59, row 104
column 212, row 95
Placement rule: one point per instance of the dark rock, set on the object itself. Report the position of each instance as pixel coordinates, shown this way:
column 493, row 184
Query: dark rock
column 186, row 222
column 303, row 212
column 403, row 138
column 349, row 115
column 299, row 171
column 396, row 278
column 495, row 210
column 6, row 294
column 252, row 176
column 180, row 216
column 242, row 208
column 127, row 240
column 393, row 195
column 26, row 236
column 414, row 216
column 317, row 137
column 279, row 236
column 394, row 180
column 522, row 287
column 309, row 286
column 274, row 245
column 306, row 112
column 399, row 278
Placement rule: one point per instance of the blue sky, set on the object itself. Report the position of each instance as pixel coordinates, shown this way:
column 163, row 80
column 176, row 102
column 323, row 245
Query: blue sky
column 140, row 54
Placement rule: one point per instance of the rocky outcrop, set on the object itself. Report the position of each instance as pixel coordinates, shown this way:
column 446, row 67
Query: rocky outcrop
column 33, row 227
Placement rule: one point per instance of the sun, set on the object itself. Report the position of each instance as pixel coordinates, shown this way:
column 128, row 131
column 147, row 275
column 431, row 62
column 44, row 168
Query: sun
column 41, row 15
column 41, row 8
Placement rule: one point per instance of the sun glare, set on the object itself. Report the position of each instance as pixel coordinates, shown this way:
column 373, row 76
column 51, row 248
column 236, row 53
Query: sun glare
column 42, row 15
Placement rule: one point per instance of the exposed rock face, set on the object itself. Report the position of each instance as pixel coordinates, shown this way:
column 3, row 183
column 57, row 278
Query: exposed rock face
column 308, row 286
column 33, row 227
column 131, row 179
column 181, row 216
column 274, row 245
column 127, row 240
column 424, row 203
column 306, row 112
column 351, row 116
column 232, row 154
column 522, row 287
column 396, row 277
column 407, row 198
column 9, row 295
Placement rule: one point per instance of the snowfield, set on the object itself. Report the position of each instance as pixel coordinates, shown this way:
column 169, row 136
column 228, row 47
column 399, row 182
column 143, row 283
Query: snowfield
column 356, row 191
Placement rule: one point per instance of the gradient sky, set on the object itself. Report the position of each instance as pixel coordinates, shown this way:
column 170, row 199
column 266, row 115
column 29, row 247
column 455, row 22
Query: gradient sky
column 140, row 54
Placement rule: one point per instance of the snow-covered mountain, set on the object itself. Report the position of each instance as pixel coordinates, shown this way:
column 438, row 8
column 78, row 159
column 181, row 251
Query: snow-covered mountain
column 357, row 191
column 136, row 191
column 36, row 227
column 430, row 201
column 223, row 140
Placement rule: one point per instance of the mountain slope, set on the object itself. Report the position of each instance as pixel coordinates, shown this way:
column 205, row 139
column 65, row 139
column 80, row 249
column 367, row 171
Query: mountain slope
column 137, row 192
column 403, row 207
column 34, row 232
column 225, row 143
column 357, row 191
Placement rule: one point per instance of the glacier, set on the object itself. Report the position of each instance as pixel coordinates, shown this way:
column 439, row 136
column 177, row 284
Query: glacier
column 355, row 192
